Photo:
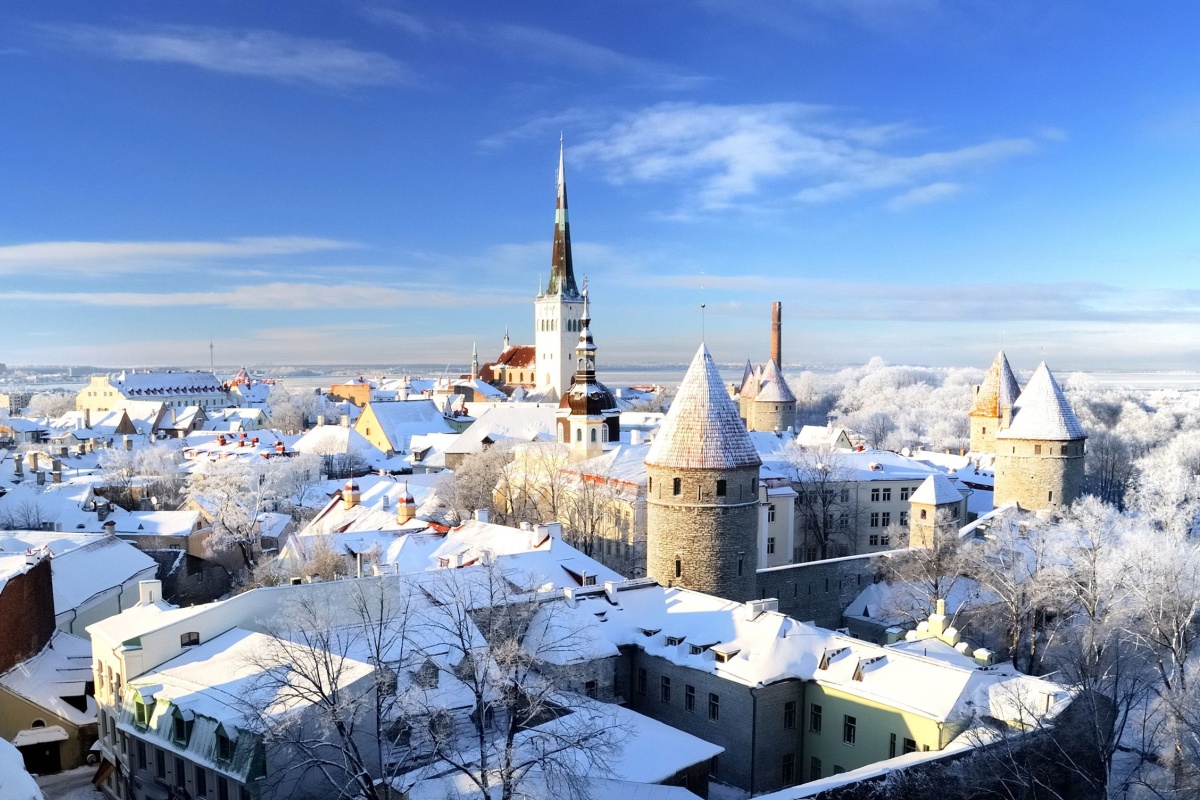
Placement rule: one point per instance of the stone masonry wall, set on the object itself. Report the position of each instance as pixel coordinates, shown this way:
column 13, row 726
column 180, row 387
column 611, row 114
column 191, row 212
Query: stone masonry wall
column 1029, row 477
column 713, row 538
column 819, row 591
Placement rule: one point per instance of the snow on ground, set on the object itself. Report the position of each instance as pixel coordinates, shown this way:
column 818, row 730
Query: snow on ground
column 15, row 783
column 74, row 784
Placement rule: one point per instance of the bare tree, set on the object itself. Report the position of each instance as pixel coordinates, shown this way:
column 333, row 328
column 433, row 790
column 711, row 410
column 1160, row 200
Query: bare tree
column 504, row 641
column 826, row 502
column 923, row 575
column 1109, row 467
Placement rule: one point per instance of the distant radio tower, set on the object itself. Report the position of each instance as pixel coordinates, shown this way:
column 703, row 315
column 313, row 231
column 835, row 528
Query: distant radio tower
column 211, row 364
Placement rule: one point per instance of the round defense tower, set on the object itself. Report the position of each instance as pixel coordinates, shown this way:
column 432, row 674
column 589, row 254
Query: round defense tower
column 702, row 492
column 1039, row 455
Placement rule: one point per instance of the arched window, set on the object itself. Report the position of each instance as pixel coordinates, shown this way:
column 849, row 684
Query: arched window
column 38, row 723
column 579, row 434
column 593, row 434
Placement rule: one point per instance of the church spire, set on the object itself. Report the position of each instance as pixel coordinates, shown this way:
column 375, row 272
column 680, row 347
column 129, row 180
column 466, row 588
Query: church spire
column 562, row 270
column 585, row 351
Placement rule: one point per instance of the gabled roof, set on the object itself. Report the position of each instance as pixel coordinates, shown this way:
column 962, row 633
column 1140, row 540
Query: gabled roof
column 936, row 490
column 999, row 389
column 1042, row 412
column 403, row 419
column 702, row 430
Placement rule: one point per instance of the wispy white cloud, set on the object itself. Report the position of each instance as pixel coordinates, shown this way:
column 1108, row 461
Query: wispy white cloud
column 279, row 296
column 924, row 195
column 729, row 153
column 259, row 53
column 123, row 257
column 575, row 53
column 409, row 23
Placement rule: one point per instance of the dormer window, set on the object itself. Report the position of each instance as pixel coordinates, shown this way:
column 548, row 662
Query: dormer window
column 189, row 639
column 224, row 745
column 674, row 641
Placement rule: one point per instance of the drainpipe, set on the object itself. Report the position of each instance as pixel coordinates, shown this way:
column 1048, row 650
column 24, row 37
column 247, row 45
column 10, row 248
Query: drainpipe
column 753, row 736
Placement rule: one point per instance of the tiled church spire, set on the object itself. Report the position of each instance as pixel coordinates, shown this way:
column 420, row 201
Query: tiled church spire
column 562, row 270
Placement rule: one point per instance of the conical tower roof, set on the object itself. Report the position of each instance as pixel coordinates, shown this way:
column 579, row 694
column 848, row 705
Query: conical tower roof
column 936, row 490
column 702, row 430
column 772, row 387
column 1042, row 412
column 999, row 389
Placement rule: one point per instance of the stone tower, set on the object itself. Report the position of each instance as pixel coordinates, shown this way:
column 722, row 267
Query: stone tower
column 937, row 503
column 1039, row 453
column 992, row 404
column 588, row 416
column 557, row 310
column 702, row 491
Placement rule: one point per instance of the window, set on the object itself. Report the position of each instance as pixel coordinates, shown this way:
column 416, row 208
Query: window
column 141, row 712
column 712, row 767
column 689, row 698
column 789, row 715
column 678, row 568
column 814, row 717
column 721, row 486
column 903, row 517
column 814, row 768
column 849, row 729
column 178, row 776
column 875, row 495
column 770, row 545
column 714, row 707
column 222, row 789
column 589, row 689
column 740, row 555
column 904, row 490
column 579, row 434
column 160, row 763
column 885, row 539
column 874, row 540
column 677, row 486
column 910, row 745
column 664, row 689
column 845, row 495
column 838, row 770
column 886, row 519
column 201, row 782
column 593, row 434
column 771, row 513
column 224, row 746
column 922, row 513
column 1037, row 449
column 641, row 680
column 180, row 728
column 891, row 745
column 874, row 519
column 887, row 494
column 787, row 771
column 1050, row 496
column 141, row 754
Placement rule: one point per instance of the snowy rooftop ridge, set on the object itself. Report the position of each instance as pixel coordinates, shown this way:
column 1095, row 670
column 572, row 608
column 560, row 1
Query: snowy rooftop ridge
column 1042, row 412
column 703, row 429
column 998, row 390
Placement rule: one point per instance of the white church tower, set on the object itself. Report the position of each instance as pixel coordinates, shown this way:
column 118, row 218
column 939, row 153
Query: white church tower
column 559, row 308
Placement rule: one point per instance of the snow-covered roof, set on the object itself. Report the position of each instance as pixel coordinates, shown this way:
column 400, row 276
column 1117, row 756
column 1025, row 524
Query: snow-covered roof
column 96, row 567
column 158, row 523
column 522, row 423
column 758, row 648
column 18, row 784
column 155, row 384
column 936, row 490
column 61, row 670
column 402, row 420
column 999, row 389
column 772, row 386
column 1042, row 412
column 702, row 430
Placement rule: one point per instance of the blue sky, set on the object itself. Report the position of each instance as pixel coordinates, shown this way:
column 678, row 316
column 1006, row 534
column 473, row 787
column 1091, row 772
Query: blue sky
column 336, row 182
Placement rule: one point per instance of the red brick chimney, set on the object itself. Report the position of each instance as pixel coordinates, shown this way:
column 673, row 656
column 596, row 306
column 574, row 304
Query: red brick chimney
column 777, row 334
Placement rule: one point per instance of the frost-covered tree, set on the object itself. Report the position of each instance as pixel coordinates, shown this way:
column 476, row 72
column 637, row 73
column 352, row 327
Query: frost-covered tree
column 51, row 404
column 826, row 501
